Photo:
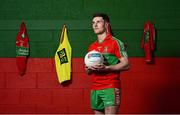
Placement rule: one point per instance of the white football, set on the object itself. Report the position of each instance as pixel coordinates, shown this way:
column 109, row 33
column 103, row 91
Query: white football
column 93, row 58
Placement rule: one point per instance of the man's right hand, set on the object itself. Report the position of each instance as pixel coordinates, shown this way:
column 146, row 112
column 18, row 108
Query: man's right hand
column 88, row 70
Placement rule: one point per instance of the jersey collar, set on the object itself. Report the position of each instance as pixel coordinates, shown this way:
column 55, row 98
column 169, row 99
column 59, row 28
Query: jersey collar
column 108, row 36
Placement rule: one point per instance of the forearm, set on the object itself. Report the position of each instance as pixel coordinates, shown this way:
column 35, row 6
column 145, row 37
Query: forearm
column 117, row 67
column 123, row 65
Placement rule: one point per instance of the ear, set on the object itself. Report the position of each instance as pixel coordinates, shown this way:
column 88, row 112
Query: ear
column 108, row 28
column 106, row 25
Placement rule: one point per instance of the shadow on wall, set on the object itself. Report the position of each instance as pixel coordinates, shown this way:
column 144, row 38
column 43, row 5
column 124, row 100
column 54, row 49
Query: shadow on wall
column 151, row 89
column 164, row 97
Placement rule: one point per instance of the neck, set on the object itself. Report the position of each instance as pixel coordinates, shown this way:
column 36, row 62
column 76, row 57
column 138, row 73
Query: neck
column 101, row 37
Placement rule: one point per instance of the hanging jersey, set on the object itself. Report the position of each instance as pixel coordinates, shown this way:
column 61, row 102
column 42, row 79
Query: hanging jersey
column 22, row 49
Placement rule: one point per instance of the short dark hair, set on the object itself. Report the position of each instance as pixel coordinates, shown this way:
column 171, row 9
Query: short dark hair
column 104, row 16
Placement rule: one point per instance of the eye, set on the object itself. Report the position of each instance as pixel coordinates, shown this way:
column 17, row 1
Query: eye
column 98, row 21
column 93, row 23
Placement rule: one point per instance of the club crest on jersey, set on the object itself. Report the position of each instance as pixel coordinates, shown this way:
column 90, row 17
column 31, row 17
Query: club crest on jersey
column 105, row 50
column 23, row 35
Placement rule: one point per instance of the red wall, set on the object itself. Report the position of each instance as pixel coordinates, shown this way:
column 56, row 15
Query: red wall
column 145, row 88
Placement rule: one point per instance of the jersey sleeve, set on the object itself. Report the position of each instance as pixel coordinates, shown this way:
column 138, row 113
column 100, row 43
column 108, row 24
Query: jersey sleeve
column 120, row 50
column 90, row 48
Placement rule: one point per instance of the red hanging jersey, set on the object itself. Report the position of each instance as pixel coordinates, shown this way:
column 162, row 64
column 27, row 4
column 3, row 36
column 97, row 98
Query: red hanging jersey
column 148, row 41
column 22, row 49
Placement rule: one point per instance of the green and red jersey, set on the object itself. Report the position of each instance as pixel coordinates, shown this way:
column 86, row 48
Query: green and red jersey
column 112, row 49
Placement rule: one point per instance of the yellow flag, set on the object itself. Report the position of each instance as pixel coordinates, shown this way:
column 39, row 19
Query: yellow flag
column 63, row 57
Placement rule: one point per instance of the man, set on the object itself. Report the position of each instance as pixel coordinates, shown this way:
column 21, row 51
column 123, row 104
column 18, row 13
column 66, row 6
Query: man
column 105, row 92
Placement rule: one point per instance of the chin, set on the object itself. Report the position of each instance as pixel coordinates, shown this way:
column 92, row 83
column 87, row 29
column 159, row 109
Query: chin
column 98, row 32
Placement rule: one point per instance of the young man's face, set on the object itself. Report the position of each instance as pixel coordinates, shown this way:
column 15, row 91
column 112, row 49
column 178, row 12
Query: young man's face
column 98, row 25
